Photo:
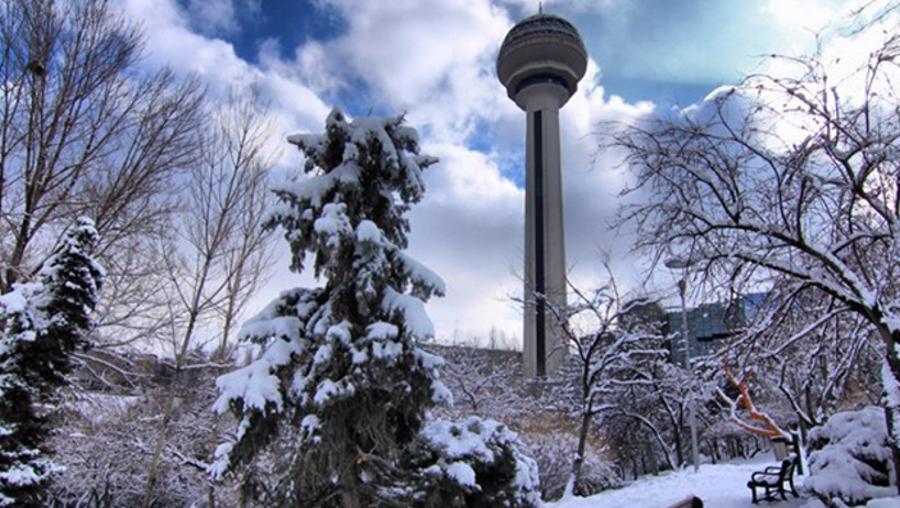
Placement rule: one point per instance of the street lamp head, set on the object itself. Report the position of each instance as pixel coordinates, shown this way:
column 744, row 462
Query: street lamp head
column 677, row 263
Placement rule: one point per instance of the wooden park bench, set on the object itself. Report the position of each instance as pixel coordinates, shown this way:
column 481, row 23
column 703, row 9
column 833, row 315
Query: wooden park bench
column 773, row 479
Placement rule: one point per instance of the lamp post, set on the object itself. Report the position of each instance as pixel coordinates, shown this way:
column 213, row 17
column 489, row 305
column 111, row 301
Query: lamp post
column 675, row 264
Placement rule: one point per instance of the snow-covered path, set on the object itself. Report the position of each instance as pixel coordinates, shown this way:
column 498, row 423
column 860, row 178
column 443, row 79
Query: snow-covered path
column 719, row 486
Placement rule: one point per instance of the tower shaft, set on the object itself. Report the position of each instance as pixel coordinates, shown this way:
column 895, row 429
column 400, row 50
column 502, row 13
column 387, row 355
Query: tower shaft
column 545, row 283
column 540, row 62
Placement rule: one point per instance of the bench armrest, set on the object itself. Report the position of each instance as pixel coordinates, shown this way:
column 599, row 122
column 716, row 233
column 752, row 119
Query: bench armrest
column 773, row 469
column 763, row 474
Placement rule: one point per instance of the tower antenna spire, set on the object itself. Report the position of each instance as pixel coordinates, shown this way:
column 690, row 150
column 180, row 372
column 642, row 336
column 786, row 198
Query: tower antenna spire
column 540, row 7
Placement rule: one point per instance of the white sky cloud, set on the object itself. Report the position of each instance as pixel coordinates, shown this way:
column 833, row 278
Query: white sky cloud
column 433, row 59
column 810, row 15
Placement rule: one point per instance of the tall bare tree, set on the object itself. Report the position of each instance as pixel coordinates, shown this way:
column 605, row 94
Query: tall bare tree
column 85, row 130
column 791, row 176
column 221, row 251
column 610, row 338
column 814, row 363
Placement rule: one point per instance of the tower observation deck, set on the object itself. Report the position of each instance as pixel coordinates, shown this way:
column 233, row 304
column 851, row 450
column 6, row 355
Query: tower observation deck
column 540, row 63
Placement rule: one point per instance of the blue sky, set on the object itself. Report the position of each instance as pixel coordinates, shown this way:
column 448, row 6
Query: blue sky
column 434, row 60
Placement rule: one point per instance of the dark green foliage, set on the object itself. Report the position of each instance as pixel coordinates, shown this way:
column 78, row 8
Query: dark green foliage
column 341, row 366
column 43, row 322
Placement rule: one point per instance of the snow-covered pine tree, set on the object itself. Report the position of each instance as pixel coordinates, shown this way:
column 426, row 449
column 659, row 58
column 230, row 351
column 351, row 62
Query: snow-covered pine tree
column 41, row 324
column 342, row 363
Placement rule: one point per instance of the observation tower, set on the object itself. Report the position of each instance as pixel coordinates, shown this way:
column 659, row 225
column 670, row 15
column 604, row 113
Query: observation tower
column 540, row 63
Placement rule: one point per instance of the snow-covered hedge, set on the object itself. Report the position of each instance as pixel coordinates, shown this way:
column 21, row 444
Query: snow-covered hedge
column 554, row 451
column 478, row 462
column 851, row 458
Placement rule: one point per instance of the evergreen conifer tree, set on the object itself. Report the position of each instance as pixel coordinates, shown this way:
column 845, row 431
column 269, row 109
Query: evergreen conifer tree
column 41, row 324
column 341, row 366
column 341, row 363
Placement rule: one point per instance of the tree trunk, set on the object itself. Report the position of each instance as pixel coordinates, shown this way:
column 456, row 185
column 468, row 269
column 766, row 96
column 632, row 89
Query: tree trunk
column 349, row 492
column 890, row 416
column 890, row 374
column 162, row 435
column 679, row 458
column 350, row 500
column 892, row 408
column 579, row 455
column 14, row 263
column 153, row 473
column 213, row 441
column 220, row 354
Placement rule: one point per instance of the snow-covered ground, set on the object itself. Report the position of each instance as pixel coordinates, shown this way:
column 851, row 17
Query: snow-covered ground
column 719, row 486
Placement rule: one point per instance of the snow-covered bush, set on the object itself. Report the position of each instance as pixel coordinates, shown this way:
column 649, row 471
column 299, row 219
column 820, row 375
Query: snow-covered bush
column 488, row 383
column 553, row 451
column 342, row 363
column 476, row 463
column 484, row 382
column 850, row 457
column 41, row 324
column 105, row 442
column 105, row 434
